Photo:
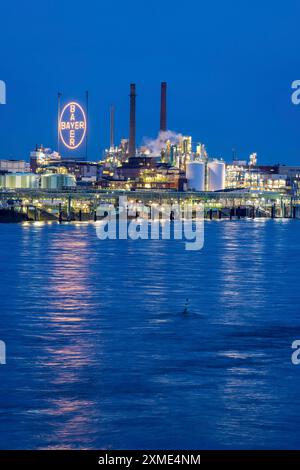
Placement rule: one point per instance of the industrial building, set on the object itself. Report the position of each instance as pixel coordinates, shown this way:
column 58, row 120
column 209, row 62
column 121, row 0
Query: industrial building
column 45, row 161
column 88, row 172
column 205, row 175
column 35, row 181
column 14, row 166
column 58, row 181
column 240, row 175
column 143, row 173
column 196, row 175
column 42, row 157
column 171, row 162
column 158, row 164
column 19, row 181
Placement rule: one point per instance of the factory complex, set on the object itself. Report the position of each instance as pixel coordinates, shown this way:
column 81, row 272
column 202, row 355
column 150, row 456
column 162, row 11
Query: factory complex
column 64, row 182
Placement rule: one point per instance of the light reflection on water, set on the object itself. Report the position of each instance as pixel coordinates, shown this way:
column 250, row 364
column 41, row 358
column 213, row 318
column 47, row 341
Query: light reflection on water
column 99, row 354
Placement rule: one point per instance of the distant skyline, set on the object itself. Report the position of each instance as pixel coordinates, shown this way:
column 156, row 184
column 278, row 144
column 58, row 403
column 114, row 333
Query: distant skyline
column 229, row 67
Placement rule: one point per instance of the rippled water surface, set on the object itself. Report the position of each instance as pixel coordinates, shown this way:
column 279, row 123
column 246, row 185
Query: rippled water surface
column 99, row 354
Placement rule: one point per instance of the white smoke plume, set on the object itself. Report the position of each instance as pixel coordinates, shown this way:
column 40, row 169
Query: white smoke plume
column 155, row 146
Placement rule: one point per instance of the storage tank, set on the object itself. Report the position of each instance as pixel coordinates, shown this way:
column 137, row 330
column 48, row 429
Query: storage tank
column 57, row 181
column 21, row 180
column 195, row 174
column 216, row 175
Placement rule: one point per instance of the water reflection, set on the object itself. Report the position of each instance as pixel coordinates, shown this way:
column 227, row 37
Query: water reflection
column 66, row 352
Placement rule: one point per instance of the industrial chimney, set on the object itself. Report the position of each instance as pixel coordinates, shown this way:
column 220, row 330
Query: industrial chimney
column 112, row 127
column 163, row 107
column 132, row 121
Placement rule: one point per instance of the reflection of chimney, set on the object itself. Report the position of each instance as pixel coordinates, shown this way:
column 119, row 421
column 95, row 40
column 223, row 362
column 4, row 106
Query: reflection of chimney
column 132, row 121
column 163, row 107
column 112, row 126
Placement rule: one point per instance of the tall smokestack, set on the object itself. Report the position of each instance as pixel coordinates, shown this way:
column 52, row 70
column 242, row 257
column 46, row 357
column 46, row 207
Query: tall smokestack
column 163, row 107
column 112, row 126
column 132, row 121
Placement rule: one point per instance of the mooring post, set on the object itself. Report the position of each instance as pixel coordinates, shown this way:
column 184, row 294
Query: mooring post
column 59, row 213
column 273, row 211
column 69, row 206
column 283, row 210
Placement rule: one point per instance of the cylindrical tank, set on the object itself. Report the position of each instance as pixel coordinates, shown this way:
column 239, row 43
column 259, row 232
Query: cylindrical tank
column 57, row 181
column 21, row 180
column 216, row 175
column 195, row 174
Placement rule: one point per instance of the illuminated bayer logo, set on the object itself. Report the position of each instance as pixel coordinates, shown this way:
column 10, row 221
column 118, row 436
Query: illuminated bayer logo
column 72, row 125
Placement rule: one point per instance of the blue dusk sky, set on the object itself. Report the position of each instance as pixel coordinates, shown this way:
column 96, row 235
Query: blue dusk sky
column 229, row 67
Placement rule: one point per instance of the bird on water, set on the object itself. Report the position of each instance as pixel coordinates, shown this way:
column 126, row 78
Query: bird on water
column 185, row 311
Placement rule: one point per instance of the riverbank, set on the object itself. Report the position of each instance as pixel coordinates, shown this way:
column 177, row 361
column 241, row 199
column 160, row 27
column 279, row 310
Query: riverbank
column 83, row 205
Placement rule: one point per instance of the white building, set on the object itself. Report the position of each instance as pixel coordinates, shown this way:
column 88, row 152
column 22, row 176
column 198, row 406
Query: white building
column 195, row 175
column 14, row 166
column 216, row 175
column 19, row 181
column 57, row 181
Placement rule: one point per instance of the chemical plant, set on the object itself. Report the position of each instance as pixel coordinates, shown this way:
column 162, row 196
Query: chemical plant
column 64, row 186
